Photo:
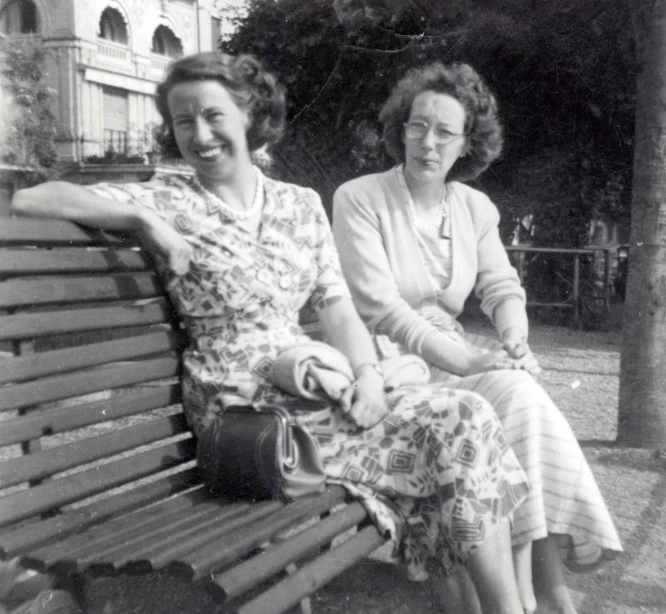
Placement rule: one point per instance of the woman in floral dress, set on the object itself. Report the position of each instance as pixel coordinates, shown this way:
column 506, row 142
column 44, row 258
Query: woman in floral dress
column 240, row 255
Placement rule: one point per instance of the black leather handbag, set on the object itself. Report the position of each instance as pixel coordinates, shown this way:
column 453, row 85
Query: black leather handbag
column 251, row 454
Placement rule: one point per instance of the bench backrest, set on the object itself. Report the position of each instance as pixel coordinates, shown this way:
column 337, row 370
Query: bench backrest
column 89, row 365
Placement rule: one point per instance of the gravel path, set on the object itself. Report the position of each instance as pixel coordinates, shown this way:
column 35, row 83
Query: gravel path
column 581, row 374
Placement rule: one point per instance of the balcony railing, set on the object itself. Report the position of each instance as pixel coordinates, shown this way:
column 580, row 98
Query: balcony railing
column 159, row 63
column 113, row 51
column 118, row 146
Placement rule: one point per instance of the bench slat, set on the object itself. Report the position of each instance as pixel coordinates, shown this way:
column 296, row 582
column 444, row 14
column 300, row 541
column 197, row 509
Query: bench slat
column 163, row 555
column 267, row 564
column 126, row 548
column 209, row 555
column 79, row 357
column 52, row 421
column 43, row 324
column 314, row 575
column 55, row 460
column 51, row 290
column 56, row 388
column 23, row 231
column 154, row 555
column 17, row 541
column 55, row 493
column 66, row 553
column 171, row 521
column 66, row 260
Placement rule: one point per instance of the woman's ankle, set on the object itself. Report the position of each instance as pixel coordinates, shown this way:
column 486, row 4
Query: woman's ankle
column 456, row 593
column 491, row 569
column 522, row 564
column 553, row 595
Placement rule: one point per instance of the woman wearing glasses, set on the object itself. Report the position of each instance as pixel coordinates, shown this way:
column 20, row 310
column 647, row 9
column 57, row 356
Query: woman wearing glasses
column 414, row 242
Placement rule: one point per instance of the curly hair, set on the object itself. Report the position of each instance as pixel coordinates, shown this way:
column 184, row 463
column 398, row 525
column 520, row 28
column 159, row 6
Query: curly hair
column 462, row 82
column 252, row 88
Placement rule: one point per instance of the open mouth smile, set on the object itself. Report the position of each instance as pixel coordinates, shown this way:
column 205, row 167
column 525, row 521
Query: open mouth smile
column 210, row 154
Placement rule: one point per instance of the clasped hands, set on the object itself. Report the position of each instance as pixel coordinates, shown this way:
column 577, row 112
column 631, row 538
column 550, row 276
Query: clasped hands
column 515, row 355
column 363, row 401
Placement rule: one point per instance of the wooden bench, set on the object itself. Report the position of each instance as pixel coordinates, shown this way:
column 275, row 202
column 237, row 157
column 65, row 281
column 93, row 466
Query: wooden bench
column 97, row 468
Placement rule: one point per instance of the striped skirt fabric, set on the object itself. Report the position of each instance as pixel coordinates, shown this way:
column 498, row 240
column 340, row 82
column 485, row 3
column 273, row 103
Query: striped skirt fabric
column 564, row 499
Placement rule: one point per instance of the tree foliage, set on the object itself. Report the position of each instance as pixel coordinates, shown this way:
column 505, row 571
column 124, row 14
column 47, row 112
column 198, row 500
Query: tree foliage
column 563, row 73
column 27, row 127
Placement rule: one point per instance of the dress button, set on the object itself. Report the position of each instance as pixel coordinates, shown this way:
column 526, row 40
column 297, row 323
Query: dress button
column 285, row 282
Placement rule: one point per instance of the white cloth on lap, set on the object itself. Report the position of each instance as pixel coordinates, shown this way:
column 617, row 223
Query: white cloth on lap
column 317, row 371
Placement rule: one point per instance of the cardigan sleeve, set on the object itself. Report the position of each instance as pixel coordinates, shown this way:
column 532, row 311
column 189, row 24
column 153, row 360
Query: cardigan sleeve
column 365, row 265
column 497, row 283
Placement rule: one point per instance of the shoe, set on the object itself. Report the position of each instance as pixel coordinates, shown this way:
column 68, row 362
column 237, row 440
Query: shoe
column 49, row 602
column 26, row 585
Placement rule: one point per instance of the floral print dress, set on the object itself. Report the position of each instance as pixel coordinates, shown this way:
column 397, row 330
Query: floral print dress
column 437, row 471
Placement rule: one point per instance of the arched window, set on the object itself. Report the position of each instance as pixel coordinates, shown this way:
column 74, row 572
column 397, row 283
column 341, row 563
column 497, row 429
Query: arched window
column 165, row 42
column 19, row 17
column 112, row 26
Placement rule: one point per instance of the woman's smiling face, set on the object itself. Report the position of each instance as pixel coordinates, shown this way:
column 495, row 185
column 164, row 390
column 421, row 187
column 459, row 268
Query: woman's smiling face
column 209, row 128
column 430, row 157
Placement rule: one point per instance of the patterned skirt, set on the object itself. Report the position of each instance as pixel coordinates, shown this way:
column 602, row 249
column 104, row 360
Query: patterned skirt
column 439, row 464
column 564, row 498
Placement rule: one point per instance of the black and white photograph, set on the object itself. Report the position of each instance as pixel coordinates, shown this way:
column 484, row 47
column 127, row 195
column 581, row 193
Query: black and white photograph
column 332, row 306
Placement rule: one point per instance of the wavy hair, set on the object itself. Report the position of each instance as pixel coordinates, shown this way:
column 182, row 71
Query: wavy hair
column 482, row 127
column 252, row 88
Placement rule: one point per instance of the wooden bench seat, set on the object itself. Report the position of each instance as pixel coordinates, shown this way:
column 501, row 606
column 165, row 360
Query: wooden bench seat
column 97, row 467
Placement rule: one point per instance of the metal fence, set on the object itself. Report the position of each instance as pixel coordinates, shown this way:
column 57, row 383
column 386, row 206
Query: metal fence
column 115, row 148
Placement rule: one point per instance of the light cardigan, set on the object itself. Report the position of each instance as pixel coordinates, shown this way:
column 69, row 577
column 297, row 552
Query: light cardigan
column 381, row 260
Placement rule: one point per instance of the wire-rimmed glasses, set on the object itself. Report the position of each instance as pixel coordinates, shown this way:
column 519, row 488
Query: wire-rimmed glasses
column 417, row 130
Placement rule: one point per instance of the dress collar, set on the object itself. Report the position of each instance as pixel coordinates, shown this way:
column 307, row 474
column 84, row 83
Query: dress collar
column 228, row 210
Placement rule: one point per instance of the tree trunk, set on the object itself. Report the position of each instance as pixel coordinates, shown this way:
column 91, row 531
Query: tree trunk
column 642, row 412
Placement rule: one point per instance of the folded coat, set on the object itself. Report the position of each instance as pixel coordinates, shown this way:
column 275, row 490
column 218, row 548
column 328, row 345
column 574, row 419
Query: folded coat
column 317, row 371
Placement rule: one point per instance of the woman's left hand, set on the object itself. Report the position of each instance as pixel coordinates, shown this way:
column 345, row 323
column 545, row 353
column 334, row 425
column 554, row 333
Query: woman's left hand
column 364, row 402
column 516, row 347
column 528, row 362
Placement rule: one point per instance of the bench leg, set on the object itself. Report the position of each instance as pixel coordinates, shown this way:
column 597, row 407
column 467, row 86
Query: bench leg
column 24, row 591
column 305, row 604
column 74, row 585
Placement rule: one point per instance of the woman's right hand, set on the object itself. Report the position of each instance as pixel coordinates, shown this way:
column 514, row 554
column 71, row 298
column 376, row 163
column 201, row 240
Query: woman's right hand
column 490, row 361
column 363, row 401
column 166, row 243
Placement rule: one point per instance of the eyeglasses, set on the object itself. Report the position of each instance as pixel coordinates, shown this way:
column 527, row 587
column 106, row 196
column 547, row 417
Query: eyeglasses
column 417, row 131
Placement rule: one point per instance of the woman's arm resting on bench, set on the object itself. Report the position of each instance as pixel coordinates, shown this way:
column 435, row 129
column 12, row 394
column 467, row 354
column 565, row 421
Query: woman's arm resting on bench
column 67, row 201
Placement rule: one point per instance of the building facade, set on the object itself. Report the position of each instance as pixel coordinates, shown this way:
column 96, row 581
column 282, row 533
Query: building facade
column 105, row 60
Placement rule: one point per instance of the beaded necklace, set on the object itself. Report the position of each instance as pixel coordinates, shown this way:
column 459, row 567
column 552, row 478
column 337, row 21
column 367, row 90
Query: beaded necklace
column 430, row 225
column 226, row 208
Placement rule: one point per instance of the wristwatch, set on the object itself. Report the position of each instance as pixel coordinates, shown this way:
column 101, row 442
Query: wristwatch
column 374, row 365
